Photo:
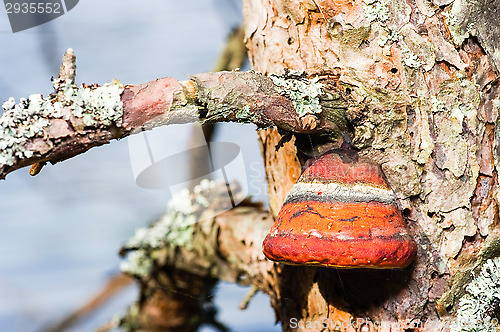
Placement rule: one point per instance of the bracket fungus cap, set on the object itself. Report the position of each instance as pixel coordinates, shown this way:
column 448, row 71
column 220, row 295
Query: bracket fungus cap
column 341, row 213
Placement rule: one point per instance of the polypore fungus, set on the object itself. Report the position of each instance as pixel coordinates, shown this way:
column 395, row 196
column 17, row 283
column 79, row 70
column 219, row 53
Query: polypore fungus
column 340, row 213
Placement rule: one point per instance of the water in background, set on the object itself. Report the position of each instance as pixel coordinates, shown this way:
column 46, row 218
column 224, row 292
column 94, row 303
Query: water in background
column 60, row 231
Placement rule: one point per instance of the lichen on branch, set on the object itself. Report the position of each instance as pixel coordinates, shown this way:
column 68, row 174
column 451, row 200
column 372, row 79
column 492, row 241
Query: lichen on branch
column 21, row 122
column 304, row 93
column 187, row 213
column 32, row 117
column 74, row 119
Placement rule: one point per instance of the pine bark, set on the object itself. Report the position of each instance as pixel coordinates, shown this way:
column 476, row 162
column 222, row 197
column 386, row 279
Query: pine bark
column 423, row 81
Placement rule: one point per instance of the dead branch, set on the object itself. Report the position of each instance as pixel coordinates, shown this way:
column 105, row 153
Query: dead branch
column 178, row 258
column 74, row 119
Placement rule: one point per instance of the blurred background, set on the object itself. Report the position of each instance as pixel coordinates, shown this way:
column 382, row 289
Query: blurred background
column 61, row 230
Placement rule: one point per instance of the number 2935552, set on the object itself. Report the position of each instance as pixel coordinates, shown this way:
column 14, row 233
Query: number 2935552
column 33, row 8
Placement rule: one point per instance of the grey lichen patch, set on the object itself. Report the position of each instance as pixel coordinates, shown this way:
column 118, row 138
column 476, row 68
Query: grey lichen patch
column 496, row 104
column 450, row 19
column 481, row 300
column 97, row 106
column 437, row 104
column 417, row 51
column 177, row 225
column 466, row 106
column 376, row 12
column 303, row 92
column 21, row 122
column 469, row 265
column 458, row 26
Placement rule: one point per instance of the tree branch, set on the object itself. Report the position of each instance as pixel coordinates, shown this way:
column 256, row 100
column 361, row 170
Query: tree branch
column 196, row 242
column 72, row 120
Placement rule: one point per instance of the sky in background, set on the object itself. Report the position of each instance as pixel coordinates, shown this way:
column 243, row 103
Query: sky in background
column 60, row 231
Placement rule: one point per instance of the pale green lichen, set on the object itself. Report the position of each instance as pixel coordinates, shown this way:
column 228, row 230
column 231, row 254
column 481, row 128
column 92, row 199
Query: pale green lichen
column 21, row 122
column 462, row 111
column 96, row 106
column 411, row 60
column 28, row 119
column 392, row 36
column 450, row 18
column 465, row 107
column 458, row 110
column 496, row 103
column 382, row 41
column 175, row 228
column 244, row 113
column 437, row 105
column 304, row 93
column 376, row 12
column 138, row 263
column 480, row 303
column 471, row 28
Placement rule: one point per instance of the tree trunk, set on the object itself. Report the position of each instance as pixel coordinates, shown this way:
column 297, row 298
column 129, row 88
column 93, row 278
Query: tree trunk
column 424, row 93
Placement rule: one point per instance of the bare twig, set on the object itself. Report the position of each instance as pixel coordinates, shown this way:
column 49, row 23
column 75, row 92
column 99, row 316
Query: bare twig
column 248, row 297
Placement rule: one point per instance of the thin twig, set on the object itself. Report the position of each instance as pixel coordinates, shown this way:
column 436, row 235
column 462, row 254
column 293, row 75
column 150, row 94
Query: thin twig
column 114, row 285
column 248, row 297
